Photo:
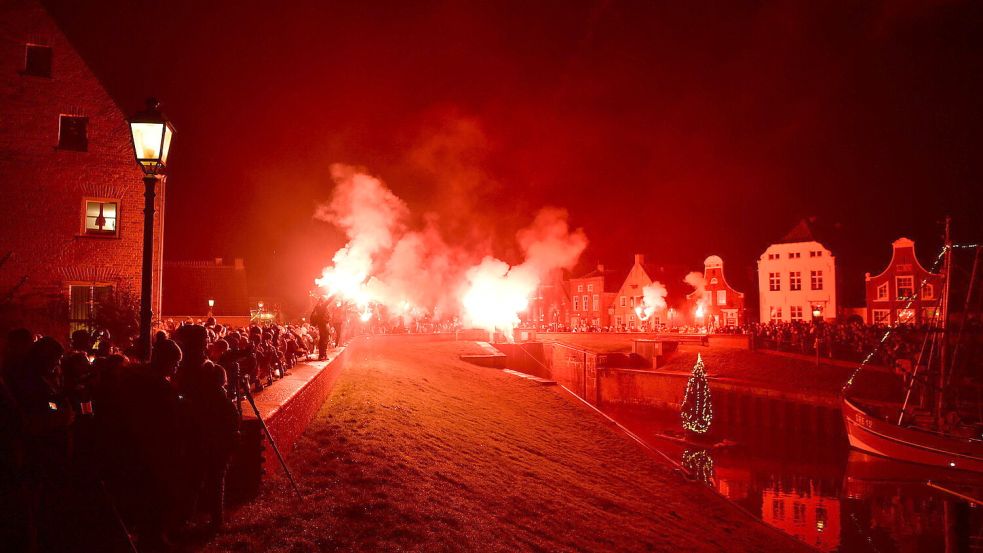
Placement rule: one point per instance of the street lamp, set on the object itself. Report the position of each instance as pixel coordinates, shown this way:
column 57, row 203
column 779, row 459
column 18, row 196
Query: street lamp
column 211, row 306
column 817, row 321
column 151, row 133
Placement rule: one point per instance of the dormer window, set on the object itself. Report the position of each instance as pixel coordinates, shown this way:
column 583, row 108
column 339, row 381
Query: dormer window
column 37, row 60
column 72, row 133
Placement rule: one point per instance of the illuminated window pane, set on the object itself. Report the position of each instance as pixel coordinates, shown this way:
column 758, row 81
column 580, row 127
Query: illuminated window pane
column 100, row 217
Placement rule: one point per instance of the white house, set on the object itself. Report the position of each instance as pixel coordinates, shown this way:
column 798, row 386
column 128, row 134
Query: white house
column 796, row 276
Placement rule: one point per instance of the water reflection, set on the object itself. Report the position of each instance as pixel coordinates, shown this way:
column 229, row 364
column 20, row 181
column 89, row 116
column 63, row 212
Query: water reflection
column 818, row 490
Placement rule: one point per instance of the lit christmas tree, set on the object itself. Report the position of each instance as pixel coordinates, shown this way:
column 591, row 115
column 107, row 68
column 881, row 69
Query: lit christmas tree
column 697, row 411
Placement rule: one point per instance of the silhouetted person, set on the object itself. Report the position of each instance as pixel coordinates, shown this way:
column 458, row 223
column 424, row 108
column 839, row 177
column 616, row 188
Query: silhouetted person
column 321, row 319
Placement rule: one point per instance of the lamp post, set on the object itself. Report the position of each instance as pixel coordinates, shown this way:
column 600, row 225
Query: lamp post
column 151, row 133
column 817, row 321
column 211, row 306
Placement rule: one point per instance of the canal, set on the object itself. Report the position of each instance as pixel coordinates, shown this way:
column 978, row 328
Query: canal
column 811, row 485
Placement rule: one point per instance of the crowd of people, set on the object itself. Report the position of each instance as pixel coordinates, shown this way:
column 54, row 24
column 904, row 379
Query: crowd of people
column 98, row 447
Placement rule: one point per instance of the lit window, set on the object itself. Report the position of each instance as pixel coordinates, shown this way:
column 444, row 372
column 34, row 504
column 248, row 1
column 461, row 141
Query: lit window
column 929, row 314
column 623, row 302
column 795, row 281
column 72, row 133
column 881, row 316
column 576, row 303
column 597, row 302
column 721, row 297
column 905, row 286
column 580, row 287
column 590, row 287
column 585, row 305
column 795, row 312
column 37, row 60
column 882, row 292
column 774, row 282
column 100, row 216
column 816, row 278
column 906, row 316
column 928, row 292
column 83, row 304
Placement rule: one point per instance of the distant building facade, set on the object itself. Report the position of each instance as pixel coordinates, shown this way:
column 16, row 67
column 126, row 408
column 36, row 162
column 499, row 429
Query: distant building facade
column 550, row 307
column 71, row 239
column 591, row 297
column 630, row 296
column 795, row 276
column 723, row 305
column 891, row 295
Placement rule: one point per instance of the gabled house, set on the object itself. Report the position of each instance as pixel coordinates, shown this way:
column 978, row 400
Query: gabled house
column 891, row 297
column 592, row 295
column 719, row 305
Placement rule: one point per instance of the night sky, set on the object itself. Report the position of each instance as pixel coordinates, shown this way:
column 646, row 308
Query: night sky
column 673, row 129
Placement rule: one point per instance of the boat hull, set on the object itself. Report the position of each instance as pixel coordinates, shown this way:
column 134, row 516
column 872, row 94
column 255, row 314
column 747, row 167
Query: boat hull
column 867, row 433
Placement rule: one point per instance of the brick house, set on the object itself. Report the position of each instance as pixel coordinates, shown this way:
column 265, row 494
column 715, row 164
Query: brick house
column 592, row 297
column 550, row 307
column 630, row 294
column 889, row 293
column 72, row 237
column 723, row 306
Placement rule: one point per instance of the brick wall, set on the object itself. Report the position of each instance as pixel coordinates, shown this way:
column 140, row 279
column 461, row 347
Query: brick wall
column 42, row 187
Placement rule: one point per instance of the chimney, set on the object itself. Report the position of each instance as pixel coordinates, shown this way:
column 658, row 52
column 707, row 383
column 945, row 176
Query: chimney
column 239, row 264
column 639, row 259
column 600, row 268
column 218, row 260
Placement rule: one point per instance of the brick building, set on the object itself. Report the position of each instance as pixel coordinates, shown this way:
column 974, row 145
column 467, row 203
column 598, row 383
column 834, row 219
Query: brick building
column 723, row 306
column 630, row 294
column 890, row 292
column 796, row 275
column 550, row 307
column 592, row 297
column 72, row 235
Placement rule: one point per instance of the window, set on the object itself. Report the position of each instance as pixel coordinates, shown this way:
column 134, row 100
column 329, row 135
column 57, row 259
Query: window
column 816, row 253
column 795, row 312
column 776, row 313
column 596, row 302
column 37, row 60
column 881, row 316
column 617, row 321
column 777, row 509
column 774, row 282
column 906, row 316
column 882, row 292
column 816, row 278
column 721, row 297
column 905, row 286
column 631, row 301
column 794, row 255
column 772, row 256
column 99, row 216
column 580, row 287
column 590, row 287
column 795, row 281
column 623, row 302
column 83, row 303
column 929, row 314
column 576, row 303
column 798, row 512
column 713, row 280
column 928, row 292
column 585, row 304
column 71, row 133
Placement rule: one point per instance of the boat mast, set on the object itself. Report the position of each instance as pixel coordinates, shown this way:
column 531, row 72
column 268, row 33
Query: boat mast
column 944, row 341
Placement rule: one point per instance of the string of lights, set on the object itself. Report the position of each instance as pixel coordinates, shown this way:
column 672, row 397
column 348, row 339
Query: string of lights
column 697, row 411
column 890, row 329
